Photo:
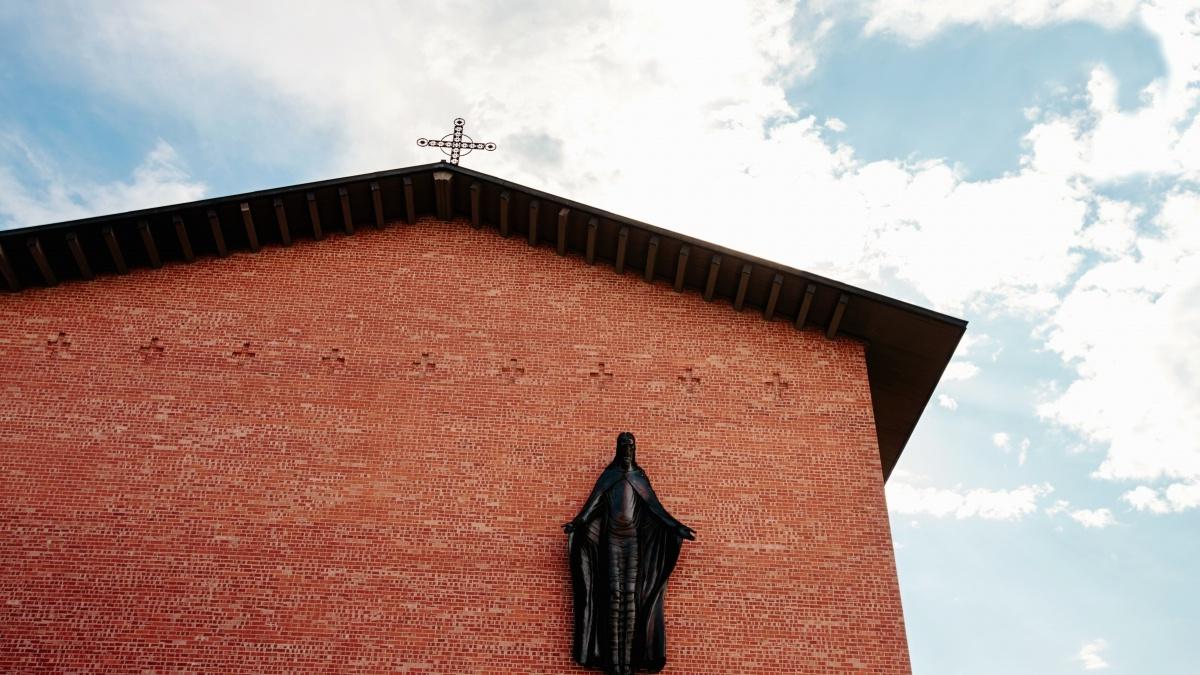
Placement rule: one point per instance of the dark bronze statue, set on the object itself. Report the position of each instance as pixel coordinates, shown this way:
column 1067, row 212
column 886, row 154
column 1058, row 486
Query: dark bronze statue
column 623, row 546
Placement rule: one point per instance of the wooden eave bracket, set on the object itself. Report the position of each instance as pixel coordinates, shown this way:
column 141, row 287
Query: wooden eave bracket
column 151, row 247
column 39, row 257
column 476, row 190
column 504, row 199
column 622, row 245
column 6, row 270
column 442, row 194
column 681, row 266
column 314, row 216
column 651, row 258
column 710, row 285
column 185, row 244
column 592, row 226
column 81, row 261
column 377, row 202
column 347, row 214
column 285, row 234
column 773, row 298
column 114, row 249
column 214, row 224
column 410, row 203
column 805, row 305
column 835, row 321
column 560, row 239
column 248, row 222
column 534, row 205
column 743, row 283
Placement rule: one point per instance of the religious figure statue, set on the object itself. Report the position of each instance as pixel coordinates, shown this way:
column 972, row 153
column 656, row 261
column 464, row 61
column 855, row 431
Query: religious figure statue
column 623, row 546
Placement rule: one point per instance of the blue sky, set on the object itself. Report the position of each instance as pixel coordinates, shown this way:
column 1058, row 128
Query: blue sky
column 1033, row 167
column 933, row 99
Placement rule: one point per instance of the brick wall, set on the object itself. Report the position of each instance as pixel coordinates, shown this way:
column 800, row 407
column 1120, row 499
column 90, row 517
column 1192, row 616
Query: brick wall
column 357, row 454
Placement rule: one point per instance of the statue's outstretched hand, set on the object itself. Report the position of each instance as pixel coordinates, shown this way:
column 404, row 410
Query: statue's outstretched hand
column 686, row 532
column 569, row 527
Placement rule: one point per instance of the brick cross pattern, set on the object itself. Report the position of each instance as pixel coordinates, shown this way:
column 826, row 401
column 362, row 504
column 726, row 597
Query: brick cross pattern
column 512, row 371
column 58, row 345
column 601, row 374
column 777, row 386
column 244, row 353
column 690, row 379
column 334, row 359
column 152, row 349
column 425, row 364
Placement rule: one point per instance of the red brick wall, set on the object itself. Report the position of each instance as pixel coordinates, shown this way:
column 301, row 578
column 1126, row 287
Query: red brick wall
column 377, row 481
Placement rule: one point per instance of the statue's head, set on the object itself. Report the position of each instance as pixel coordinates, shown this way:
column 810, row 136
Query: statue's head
column 626, row 451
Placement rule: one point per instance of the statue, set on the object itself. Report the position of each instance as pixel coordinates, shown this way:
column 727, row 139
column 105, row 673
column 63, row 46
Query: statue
column 623, row 546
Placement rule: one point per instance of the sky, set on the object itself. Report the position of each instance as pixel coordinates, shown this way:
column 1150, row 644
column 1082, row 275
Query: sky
column 1032, row 166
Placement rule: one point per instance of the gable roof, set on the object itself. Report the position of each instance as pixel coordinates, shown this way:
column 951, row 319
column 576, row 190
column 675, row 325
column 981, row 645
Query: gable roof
column 908, row 347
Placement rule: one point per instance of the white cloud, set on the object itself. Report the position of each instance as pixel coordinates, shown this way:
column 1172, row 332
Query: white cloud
column 1015, row 504
column 1114, row 231
column 947, row 402
column 1002, row 440
column 1093, row 518
column 1058, row 507
column 960, row 370
column 835, row 124
column 1104, row 143
column 1145, row 498
column 1183, row 495
column 1027, row 223
column 921, row 20
column 44, row 194
column 1089, row 655
column 1176, row 497
column 1131, row 330
column 971, row 342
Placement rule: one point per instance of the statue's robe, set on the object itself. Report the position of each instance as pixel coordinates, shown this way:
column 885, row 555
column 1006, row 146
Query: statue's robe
column 658, row 548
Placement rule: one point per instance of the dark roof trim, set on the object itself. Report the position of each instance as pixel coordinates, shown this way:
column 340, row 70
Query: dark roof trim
column 908, row 347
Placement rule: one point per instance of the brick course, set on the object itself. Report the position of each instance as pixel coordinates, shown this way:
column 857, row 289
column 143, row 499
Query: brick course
column 356, row 454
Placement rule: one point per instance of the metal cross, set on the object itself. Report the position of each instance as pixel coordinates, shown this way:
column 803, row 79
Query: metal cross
column 457, row 143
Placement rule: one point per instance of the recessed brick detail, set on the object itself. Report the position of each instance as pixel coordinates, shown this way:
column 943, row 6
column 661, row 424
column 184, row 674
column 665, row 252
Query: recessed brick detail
column 512, row 371
column 424, row 365
column 334, row 360
column 153, row 349
column 203, row 515
column 244, row 353
column 601, row 373
column 689, row 379
column 58, row 346
column 777, row 386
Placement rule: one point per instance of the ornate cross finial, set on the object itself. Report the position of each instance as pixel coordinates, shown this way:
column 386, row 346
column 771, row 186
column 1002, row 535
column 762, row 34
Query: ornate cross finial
column 458, row 143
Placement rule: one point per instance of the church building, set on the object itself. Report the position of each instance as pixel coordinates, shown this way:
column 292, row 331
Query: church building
column 340, row 426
